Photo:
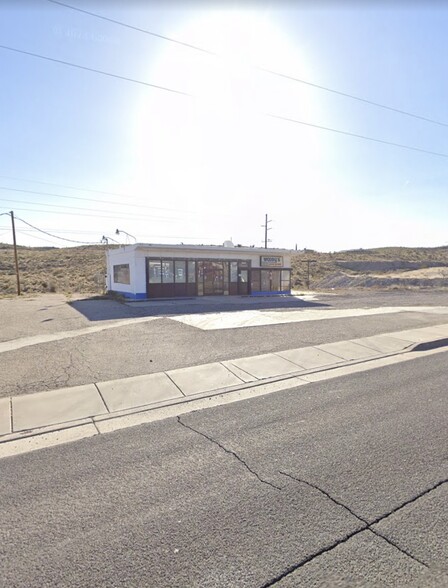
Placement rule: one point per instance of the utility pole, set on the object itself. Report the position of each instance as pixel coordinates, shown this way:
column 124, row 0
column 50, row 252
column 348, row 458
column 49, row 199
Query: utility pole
column 15, row 252
column 266, row 229
column 308, row 262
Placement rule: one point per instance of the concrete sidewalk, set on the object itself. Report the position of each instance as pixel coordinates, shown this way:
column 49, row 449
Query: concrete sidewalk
column 22, row 415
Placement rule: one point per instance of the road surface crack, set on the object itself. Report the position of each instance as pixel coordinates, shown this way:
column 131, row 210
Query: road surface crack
column 64, row 378
column 327, row 495
column 312, row 556
column 410, row 501
column 366, row 527
column 230, row 452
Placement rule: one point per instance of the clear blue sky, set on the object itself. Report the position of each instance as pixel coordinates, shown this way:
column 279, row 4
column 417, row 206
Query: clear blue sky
column 207, row 167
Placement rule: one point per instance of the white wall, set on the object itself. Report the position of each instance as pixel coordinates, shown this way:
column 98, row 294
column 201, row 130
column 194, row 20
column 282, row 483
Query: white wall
column 118, row 257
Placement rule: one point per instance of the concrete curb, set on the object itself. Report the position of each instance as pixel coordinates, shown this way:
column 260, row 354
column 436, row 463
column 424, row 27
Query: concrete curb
column 101, row 407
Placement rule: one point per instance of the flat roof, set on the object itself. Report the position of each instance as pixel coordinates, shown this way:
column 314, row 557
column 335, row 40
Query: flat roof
column 183, row 246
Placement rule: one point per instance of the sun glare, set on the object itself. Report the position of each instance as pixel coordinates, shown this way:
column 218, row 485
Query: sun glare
column 219, row 145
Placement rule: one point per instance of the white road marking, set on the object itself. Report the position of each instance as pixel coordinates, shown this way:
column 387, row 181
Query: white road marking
column 256, row 318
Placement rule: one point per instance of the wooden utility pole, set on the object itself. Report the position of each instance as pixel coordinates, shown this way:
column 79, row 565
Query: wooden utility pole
column 266, row 229
column 308, row 262
column 15, row 252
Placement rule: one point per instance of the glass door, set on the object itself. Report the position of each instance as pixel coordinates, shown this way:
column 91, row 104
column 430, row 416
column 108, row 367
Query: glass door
column 213, row 275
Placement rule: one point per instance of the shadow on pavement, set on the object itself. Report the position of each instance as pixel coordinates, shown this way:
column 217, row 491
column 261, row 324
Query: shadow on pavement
column 103, row 310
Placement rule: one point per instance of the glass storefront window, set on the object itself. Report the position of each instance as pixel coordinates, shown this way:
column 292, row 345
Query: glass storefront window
column 234, row 271
column 191, row 272
column 226, row 277
column 180, row 271
column 265, row 281
column 256, row 280
column 154, row 271
column 200, row 278
column 286, row 280
column 167, row 271
column 275, row 281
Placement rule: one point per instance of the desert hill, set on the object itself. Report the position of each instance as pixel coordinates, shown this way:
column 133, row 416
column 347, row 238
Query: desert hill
column 82, row 269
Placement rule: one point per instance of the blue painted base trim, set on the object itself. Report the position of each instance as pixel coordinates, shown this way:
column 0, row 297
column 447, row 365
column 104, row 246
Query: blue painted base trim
column 284, row 292
column 131, row 295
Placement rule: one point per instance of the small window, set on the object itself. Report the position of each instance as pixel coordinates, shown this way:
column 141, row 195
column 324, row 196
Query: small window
column 154, row 271
column 180, row 271
column 244, row 276
column 167, row 271
column 122, row 274
column 191, row 272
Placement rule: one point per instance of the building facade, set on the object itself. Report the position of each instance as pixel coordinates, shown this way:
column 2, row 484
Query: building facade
column 145, row 271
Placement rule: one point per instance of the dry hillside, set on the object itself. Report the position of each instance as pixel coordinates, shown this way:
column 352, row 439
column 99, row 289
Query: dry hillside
column 82, row 269
column 48, row 269
column 386, row 267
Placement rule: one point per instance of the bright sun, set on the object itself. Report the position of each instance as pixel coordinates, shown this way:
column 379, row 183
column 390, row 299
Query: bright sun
column 220, row 145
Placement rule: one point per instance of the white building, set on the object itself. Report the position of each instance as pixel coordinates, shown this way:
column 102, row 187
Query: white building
column 145, row 271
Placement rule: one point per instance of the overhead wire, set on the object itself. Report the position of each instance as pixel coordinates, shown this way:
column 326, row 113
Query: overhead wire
column 323, row 128
column 33, row 227
column 83, row 190
column 94, row 70
column 311, row 125
column 259, row 68
column 20, row 231
column 57, row 231
column 121, row 214
column 55, row 236
column 101, row 216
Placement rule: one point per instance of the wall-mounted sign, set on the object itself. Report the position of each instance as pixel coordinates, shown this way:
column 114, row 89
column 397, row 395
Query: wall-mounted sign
column 271, row 261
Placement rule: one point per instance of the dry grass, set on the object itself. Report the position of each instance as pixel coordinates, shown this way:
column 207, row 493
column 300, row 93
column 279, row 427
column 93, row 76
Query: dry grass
column 42, row 269
column 327, row 263
column 82, row 269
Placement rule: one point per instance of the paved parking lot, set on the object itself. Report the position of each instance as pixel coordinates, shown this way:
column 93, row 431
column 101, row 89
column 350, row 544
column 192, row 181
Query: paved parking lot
column 83, row 341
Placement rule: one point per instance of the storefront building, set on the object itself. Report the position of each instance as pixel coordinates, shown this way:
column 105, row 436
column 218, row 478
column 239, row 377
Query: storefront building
column 168, row 271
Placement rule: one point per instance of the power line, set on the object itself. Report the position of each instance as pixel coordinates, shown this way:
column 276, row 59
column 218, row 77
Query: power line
column 6, row 188
column 89, row 199
column 122, row 214
column 56, row 231
column 98, row 71
column 258, row 68
column 55, row 236
column 21, row 231
column 101, row 216
column 279, row 117
column 349, row 134
column 34, row 228
column 128, row 26
column 81, row 190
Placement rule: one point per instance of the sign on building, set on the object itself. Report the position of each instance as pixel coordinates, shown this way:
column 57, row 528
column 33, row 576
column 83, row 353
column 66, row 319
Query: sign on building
column 271, row 261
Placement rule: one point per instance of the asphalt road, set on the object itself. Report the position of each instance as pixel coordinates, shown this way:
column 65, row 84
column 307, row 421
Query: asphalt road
column 164, row 344
column 341, row 483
